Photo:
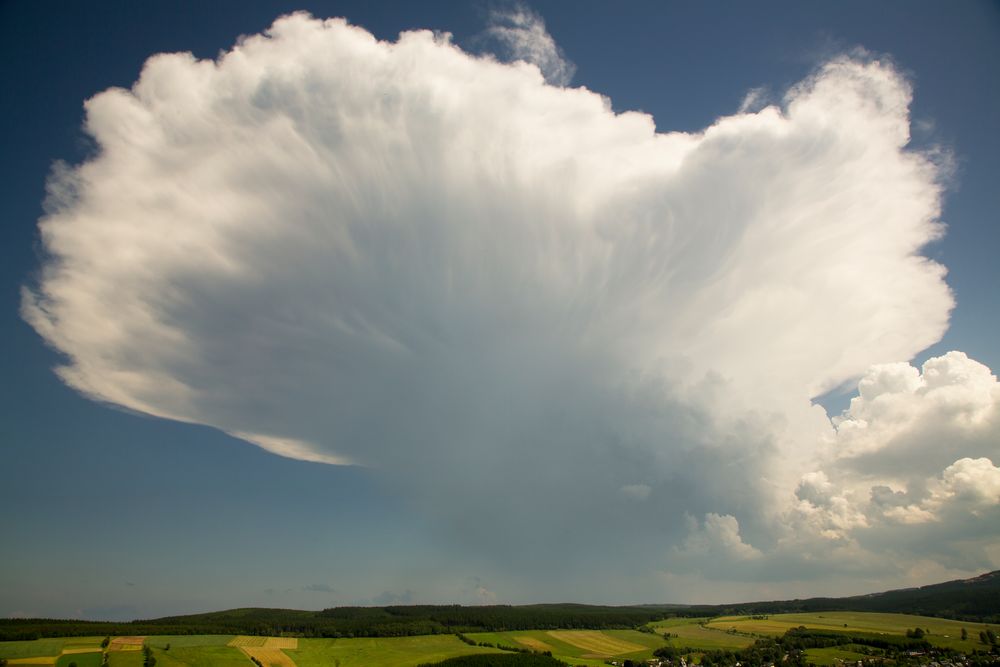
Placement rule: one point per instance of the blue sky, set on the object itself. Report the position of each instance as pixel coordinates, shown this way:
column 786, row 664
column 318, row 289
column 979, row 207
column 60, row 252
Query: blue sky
column 486, row 477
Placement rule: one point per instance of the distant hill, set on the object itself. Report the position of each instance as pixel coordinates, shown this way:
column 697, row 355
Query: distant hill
column 975, row 599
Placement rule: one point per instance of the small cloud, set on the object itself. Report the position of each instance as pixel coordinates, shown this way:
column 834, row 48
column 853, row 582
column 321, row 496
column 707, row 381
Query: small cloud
column 755, row 100
column 522, row 33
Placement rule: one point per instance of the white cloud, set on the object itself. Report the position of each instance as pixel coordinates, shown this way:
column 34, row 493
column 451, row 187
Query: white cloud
column 522, row 32
column 717, row 537
column 975, row 482
column 919, row 421
column 507, row 299
column 891, row 481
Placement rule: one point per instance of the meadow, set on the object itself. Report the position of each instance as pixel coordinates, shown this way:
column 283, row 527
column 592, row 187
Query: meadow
column 696, row 633
column 381, row 651
column 578, row 647
column 940, row 632
column 833, row 656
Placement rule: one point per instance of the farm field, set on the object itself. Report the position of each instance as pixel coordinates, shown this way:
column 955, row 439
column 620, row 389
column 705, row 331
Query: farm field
column 197, row 656
column 266, row 650
column 690, row 633
column 32, row 652
column 943, row 632
column 233, row 651
column 380, row 651
column 578, row 647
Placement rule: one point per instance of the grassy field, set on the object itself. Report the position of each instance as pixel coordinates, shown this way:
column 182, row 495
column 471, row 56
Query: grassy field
column 125, row 659
column 81, row 659
column 691, row 633
column 943, row 632
column 578, row 647
column 833, row 656
column 181, row 641
column 199, row 656
column 46, row 647
column 380, row 652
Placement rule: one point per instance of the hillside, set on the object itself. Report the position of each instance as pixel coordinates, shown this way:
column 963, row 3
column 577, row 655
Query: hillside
column 975, row 599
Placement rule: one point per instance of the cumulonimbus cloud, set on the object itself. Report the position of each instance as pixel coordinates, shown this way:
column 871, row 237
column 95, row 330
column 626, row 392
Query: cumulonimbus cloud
column 401, row 255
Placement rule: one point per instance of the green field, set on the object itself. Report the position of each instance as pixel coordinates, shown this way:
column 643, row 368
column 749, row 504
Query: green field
column 45, row 647
column 199, row 656
column 125, row 659
column 81, row 660
column 833, row 656
column 943, row 633
column 380, row 652
column 690, row 632
column 181, row 641
column 578, row 647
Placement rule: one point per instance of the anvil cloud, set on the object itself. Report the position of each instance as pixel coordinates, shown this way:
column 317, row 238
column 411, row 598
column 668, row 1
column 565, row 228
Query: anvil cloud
column 526, row 311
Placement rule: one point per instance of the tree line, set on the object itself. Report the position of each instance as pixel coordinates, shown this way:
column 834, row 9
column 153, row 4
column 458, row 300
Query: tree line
column 339, row 622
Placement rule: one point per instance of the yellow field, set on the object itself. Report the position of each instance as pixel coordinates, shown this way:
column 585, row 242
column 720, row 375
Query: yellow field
column 82, row 649
column 532, row 643
column 281, row 642
column 896, row 624
column 269, row 657
column 596, row 643
column 133, row 643
column 244, row 640
column 44, row 660
column 940, row 632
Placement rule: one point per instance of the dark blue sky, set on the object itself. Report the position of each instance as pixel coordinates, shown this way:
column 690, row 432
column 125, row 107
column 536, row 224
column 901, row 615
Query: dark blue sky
column 111, row 514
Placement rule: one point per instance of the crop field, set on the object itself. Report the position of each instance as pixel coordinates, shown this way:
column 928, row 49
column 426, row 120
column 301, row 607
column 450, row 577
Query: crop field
column 243, row 641
column 126, row 643
column 380, row 652
column 692, row 634
column 48, row 651
column 267, row 650
column 942, row 632
column 578, row 647
column 235, row 651
column 270, row 657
